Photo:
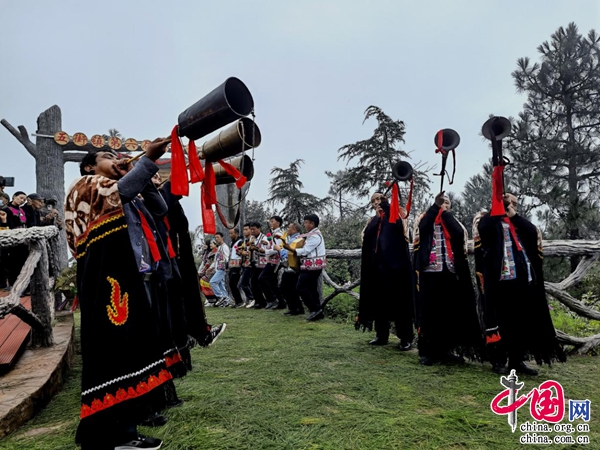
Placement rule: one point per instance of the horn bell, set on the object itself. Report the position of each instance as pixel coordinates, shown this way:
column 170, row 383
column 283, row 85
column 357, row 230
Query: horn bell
column 224, row 104
column 239, row 137
column 402, row 171
column 243, row 163
column 450, row 139
column 496, row 128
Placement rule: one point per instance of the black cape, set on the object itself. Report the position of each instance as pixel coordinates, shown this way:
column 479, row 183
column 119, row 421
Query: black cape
column 516, row 314
column 446, row 310
column 386, row 292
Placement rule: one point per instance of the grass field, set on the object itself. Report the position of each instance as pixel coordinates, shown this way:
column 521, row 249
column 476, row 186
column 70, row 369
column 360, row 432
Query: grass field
column 274, row 382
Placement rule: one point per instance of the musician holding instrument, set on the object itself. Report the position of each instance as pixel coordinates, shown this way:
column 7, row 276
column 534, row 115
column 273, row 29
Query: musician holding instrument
column 446, row 313
column 245, row 254
column 312, row 262
column 289, row 279
column 257, row 246
column 385, row 262
column 268, row 277
column 117, row 271
column 235, row 268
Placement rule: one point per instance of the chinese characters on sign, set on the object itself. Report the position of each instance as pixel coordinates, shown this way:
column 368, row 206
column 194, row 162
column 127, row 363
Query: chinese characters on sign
column 61, row 138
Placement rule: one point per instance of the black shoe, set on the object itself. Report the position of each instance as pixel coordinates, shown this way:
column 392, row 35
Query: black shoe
column 451, row 359
column 316, row 315
column 258, row 306
column 144, row 442
column 154, row 420
column 281, row 305
column 175, row 403
column 379, row 341
column 426, row 361
column 272, row 305
column 214, row 334
column 288, row 313
column 500, row 369
column 523, row 368
column 297, row 312
column 404, row 345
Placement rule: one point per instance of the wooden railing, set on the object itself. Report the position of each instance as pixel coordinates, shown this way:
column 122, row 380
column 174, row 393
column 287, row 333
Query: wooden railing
column 43, row 257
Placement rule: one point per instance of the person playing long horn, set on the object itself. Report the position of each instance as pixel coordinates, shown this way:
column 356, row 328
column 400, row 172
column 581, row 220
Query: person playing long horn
column 385, row 261
column 508, row 256
column 446, row 312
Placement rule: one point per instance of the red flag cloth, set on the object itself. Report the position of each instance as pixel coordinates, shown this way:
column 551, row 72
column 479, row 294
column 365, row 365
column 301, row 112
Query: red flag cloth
column 179, row 175
column 395, row 204
column 196, row 172
column 240, row 180
column 439, row 221
column 172, row 253
column 149, row 237
column 498, row 192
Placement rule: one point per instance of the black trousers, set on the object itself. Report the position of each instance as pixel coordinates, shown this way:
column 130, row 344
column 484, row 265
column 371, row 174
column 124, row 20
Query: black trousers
column 289, row 280
column 244, row 284
column 257, row 292
column 308, row 289
column 382, row 330
column 235, row 274
column 268, row 283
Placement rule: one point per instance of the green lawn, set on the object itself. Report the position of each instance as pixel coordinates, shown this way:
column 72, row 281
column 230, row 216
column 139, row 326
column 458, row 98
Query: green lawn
column 273, row 382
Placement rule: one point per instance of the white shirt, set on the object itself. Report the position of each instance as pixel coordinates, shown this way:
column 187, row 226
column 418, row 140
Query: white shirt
column 314, row 245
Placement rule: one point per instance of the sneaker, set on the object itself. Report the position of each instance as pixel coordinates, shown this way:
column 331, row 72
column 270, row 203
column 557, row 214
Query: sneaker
column 208, row 304
column 215, row 332
column 272, row 305
column 250, row 304
column 240, row 305
column 220, row 301
column 145, row 442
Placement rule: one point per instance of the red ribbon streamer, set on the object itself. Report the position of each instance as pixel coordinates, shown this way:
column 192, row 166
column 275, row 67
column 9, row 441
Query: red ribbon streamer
column 149, row 237
column 179, row 175
column 410, row 196
column 172, row 253
column 208, row 217
column 240, row 180
column 513, row 232
column 208, row 198
column 196, row 172
column 498, row 192
column 439, row 221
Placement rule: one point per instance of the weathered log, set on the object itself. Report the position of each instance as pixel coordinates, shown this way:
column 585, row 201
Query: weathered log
column 19, row 236
column 572, row 303
column 346, row 289
column 41, row 298
column 551, row 248
column 577, row 276
column 582, row 345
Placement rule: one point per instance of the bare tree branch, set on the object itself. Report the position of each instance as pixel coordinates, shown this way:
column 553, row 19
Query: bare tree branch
column 21, row 136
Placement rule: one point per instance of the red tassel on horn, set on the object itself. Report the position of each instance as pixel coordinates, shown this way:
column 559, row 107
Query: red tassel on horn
column 179, row 175
column 497, row 192
column 395, row 204
column 196, row 172
column 240, row 180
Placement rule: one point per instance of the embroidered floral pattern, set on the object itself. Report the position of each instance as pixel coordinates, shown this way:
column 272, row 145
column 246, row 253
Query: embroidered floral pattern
column 508, row 271
column 122, row 395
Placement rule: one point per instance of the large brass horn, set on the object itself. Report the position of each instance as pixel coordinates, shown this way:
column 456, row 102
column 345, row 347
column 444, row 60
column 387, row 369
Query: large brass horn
column 243, row 163
column 450, row 139
column 239, row 137
column 496, row 128
column 402, row 171
column 226, row 103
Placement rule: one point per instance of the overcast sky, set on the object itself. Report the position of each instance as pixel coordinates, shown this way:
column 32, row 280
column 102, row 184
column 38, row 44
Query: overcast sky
column 313, row 67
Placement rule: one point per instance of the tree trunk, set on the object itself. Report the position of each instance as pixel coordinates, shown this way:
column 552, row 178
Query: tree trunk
column 573, row 212
column 50, row 170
